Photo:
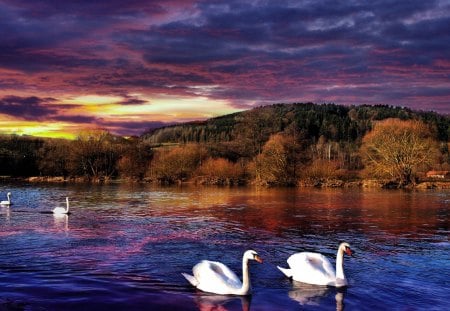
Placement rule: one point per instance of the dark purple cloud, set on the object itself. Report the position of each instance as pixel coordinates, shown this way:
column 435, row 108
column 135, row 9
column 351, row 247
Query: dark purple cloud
column 247, row 52
column 75, row 119
column 133, row 101
column 130, row 128
column 27, row 108
column 39, row 109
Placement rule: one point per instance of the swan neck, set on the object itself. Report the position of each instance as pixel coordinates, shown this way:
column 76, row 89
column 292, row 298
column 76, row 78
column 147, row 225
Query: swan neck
column 340, row 265
column 246, row 287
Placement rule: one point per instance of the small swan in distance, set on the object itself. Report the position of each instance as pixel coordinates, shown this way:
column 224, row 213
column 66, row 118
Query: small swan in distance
column 7, row 202
column 61, row 210
column 314, row 268
column 215, row 277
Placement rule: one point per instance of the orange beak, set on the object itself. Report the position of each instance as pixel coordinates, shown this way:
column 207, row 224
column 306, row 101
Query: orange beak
column 258, row 259
column 348, row 251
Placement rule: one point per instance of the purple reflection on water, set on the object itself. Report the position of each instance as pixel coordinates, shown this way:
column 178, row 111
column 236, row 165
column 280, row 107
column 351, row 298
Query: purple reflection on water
column 125, row 247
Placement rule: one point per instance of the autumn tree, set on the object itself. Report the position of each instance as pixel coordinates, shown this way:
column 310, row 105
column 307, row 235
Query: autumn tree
column 396, row 149
column 221, row 171
column 177, row 163
column 277, row 163
column 320, row 169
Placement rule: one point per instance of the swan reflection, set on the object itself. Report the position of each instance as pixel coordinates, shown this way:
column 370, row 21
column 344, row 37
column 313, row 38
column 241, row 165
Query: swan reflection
column 6, row 211
column 209, row 302
column 61, row 222
column 308, row 294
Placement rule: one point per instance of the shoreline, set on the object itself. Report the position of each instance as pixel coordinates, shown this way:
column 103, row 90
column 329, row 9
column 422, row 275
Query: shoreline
column 319, row 183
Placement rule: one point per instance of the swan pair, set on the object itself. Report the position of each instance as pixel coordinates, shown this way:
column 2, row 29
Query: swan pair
column 56, row 210
column 312, row 268
column 8, row 201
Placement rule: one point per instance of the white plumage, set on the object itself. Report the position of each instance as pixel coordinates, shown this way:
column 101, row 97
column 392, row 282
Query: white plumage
column 61, row 210
column 314, row 268
column 215, row 277
column 8, row 201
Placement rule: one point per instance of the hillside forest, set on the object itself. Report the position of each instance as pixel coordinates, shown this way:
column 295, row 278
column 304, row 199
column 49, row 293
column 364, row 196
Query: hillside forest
column 277, row 145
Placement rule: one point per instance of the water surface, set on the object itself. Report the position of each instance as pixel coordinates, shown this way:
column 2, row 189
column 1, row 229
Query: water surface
column 124, row 247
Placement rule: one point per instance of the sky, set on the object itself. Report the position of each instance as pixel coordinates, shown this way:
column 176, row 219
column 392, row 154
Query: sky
column 128, row 66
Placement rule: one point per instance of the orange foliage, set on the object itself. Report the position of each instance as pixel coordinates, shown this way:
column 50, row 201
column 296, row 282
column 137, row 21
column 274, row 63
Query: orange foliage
column 179, row 163
column 321, row 169
column 396, row 149
column 221, row 171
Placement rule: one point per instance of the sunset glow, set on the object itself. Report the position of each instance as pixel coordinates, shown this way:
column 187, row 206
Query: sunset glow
column 128, row 67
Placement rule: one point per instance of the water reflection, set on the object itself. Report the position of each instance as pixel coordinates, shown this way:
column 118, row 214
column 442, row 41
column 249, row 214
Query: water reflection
column 340, row 299
column 308, row 294
column 5, row 211
column 155, row 234
column 61, row 222
column 210, row 302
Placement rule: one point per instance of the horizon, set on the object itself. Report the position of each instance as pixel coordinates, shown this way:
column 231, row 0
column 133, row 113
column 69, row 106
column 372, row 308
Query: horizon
column 130, row 67
column 80, row 131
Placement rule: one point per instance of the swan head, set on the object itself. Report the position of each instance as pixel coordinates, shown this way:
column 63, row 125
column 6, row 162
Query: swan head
column 9, row 193
column 345, row 248
column 252, row 255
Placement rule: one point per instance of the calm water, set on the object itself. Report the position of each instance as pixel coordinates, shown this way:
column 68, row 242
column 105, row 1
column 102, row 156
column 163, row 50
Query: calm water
column 124, row 247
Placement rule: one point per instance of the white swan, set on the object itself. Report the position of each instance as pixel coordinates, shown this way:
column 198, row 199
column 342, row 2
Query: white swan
column 215, row 277
column 7, row 202
column 61, row 210
column 314, row 268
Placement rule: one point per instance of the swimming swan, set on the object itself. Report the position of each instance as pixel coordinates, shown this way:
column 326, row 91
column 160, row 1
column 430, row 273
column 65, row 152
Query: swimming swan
column 314, row 268
column 7, row 202
column 215, row 277
column 61, row 210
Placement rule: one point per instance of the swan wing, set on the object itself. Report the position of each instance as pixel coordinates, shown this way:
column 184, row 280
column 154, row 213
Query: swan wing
column 59, row 210
column 215, row 277
column 311, row 268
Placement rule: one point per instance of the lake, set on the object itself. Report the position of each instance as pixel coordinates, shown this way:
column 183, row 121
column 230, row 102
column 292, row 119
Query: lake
column 125, row 246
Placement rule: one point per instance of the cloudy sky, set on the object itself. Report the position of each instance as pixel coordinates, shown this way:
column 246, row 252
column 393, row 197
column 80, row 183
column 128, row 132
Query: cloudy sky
column 127, row 66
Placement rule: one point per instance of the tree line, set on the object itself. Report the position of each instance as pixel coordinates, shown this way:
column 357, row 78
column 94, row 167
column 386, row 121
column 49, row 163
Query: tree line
column 282, row 144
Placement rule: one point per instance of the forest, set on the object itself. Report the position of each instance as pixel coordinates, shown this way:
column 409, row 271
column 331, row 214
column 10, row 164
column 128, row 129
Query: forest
column 278, row 145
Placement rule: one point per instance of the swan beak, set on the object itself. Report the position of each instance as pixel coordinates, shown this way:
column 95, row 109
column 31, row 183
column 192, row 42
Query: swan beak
column 349, row 252
column 258, row 259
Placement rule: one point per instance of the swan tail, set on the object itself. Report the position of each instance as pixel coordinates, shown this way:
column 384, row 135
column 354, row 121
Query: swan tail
column 286, row 272
column 191, row 279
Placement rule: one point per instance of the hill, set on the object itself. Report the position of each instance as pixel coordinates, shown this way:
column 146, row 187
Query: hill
column 311, row 121
column 281, row 144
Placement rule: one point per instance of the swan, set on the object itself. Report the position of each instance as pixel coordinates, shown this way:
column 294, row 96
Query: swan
column 7, row 202
column 314, row 268
column 215, row 277
column 61, row 210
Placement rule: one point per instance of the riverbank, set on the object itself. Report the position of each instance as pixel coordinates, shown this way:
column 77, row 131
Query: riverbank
column 310, row 183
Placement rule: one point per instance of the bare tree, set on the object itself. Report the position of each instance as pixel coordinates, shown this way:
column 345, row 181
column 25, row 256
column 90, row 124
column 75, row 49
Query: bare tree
column 53, row 157
column 95, row 154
